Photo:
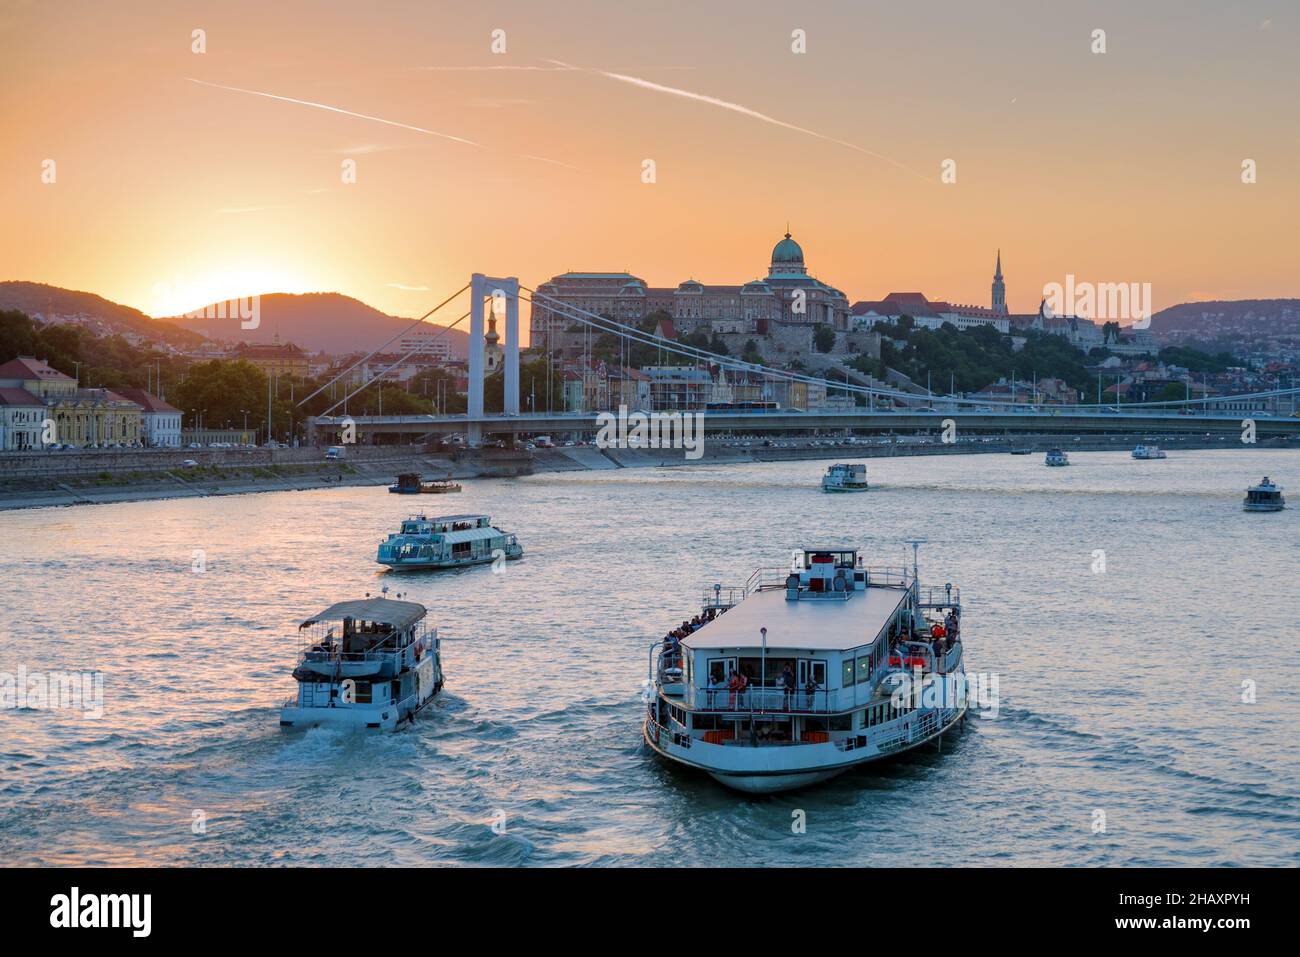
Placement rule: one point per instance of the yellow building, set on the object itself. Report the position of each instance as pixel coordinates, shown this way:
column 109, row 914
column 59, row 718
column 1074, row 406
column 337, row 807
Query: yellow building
column 81, row 417
column 276, row 359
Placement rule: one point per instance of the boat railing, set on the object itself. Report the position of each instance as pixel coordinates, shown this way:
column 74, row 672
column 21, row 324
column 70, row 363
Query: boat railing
column 755, row 700
column 724, row 596
column 385, row 649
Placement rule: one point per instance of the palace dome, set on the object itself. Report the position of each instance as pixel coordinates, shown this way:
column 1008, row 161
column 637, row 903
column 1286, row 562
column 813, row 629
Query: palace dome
column 787, row 251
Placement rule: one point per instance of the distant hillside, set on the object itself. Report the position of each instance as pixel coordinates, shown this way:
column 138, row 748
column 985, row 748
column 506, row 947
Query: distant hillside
column 106, row 317
column 318, row 321
column 1243, row 321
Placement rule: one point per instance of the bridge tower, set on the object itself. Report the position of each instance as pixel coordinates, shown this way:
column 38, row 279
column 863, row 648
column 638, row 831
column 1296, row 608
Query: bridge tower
column 502, row 296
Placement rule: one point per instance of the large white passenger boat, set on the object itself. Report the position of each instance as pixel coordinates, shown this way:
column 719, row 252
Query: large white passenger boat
column 369, row 664
column 845, row 478
column 1149, row 452
column 447, row 542
column 795, row 676
column 1264, row 497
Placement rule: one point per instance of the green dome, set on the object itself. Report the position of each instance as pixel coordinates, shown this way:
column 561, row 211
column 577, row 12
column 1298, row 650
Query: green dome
column 787, row 251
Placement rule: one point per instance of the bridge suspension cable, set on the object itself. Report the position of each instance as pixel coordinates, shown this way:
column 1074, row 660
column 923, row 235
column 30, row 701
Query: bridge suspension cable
column 376, row 351
column 380, row 376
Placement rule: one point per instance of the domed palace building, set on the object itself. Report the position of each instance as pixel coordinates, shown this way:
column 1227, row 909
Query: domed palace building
column 787, row 294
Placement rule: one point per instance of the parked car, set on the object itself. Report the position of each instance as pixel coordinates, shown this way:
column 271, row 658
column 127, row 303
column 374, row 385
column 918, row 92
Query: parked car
column 189, row 464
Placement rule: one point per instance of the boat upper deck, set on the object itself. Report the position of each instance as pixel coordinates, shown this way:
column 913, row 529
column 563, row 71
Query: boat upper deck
column 445, row 524
column 813, row 625
column 378, row 611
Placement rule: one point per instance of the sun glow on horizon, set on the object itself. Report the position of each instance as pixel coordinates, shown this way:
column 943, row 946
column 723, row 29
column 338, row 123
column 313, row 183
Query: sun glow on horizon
column 187, row 293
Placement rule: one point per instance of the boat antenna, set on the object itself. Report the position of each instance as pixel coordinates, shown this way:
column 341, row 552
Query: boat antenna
column 916, row 543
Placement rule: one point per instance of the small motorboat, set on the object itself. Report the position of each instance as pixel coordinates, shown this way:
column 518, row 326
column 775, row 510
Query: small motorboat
column 410, row 483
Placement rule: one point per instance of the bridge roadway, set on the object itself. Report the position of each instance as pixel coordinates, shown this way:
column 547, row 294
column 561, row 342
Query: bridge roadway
column 324, row 429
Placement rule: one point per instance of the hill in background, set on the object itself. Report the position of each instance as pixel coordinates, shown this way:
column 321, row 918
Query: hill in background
column 106, row 317
column 318, row 322
column 1241, row 321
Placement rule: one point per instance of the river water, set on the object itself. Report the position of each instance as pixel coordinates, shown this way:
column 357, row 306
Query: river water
column 1121, row 736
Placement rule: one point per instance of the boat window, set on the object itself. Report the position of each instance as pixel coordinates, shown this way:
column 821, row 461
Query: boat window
column 847, row 678
column 864, row 669
column 720, row 670
column 842, row 722
column 361, row 693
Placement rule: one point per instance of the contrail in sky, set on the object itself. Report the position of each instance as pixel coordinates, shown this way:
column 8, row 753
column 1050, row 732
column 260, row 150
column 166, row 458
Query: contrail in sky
column 733, row 107
column 335, row 109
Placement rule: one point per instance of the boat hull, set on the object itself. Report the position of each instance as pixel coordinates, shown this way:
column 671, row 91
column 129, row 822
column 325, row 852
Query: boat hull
column 438, row 563
column 845, row 488
column 386, row 717
column 1269, row 507
column 790, row 779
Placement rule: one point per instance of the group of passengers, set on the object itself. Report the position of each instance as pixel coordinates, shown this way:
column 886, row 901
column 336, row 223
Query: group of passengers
column 941, row 639
column 673, row 640
column 738, row 685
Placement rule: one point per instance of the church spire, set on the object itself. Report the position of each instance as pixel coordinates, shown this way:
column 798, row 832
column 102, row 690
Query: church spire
column 999, row 290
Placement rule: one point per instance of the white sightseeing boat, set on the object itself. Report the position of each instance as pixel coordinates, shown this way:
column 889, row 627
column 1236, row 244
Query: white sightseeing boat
column 845, row 478
column 447, row 542
column 1057, row 458
column 1264, row 497
column 1149, row 452
column 795, row 677
column 368, row 664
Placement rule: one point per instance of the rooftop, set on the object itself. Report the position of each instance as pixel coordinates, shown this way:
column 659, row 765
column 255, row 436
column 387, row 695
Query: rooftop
column 397, row 614
column 150, row 403
column 812, row 625
column 29, row 367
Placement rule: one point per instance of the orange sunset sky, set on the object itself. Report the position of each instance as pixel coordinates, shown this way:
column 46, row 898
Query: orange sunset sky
column 172, row 190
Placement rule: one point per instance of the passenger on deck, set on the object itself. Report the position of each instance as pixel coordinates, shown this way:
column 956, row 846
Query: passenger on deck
column 951, row 626
column 736, row 685
column 810, row 689
column 787, row 682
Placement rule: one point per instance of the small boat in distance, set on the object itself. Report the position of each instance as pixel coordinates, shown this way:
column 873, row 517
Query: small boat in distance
column 1023, row 450
column 411, row 483
column 801, row 674
column 1149, row 452
column 448, row 541
column 1264, row 497
column 364, row 665
column 845, row 478
column 1056, row 457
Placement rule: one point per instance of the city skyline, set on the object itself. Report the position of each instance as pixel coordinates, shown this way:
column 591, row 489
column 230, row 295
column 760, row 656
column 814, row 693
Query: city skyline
column 182, row 178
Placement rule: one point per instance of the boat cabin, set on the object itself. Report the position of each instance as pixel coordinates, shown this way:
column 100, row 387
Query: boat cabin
column 808, row 652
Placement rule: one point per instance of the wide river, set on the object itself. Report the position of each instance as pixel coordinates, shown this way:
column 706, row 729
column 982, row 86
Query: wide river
column 1147, row 711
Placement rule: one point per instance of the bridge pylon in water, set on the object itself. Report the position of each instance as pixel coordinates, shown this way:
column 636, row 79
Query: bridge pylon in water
column 502, row 297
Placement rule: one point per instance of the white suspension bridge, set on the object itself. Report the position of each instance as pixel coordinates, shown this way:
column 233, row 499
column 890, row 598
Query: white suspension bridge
column 1266, row 414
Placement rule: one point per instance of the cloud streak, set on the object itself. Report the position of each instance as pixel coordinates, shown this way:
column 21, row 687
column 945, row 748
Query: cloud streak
column 336, row 109
column 734, row 108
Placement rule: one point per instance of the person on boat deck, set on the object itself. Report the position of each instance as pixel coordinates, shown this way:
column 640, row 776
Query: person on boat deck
column 950, row 626
column 811, row 689
column 672, row 649
column 787, row 682
column 736, row 685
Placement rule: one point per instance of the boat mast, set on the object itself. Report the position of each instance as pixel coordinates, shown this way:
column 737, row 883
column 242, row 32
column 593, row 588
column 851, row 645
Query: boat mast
column 916, row 543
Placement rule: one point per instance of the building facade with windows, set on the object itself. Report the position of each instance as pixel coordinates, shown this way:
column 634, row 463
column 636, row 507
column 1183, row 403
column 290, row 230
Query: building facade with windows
column 82, row 417
column 788, row 293
column 160, row 422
